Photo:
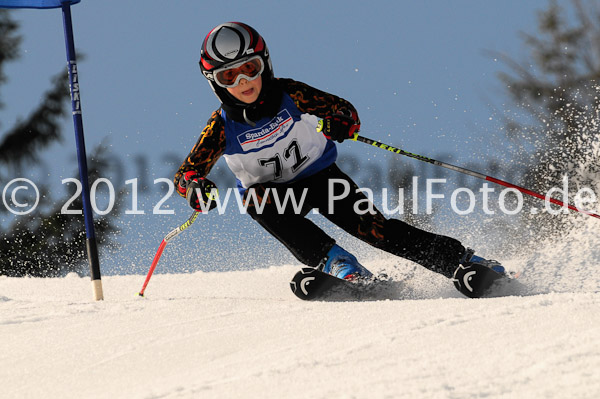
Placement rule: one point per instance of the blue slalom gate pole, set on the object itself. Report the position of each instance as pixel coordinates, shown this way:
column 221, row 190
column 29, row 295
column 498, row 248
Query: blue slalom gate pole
column 91, row 245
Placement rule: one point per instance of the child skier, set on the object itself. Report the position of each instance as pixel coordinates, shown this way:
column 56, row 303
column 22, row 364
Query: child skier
column 266, row 130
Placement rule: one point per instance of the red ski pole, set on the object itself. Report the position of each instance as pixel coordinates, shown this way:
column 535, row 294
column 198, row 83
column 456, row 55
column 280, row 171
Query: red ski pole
column 469, row 172
column 163, row 244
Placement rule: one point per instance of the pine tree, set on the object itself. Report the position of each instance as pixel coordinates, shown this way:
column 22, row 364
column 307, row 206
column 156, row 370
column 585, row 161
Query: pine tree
column 557, row 93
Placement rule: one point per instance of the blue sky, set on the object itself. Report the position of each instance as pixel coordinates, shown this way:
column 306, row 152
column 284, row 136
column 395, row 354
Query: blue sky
column 418, row 73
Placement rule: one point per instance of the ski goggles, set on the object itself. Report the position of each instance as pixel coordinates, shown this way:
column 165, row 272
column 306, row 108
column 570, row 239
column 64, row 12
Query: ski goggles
column 248, row 69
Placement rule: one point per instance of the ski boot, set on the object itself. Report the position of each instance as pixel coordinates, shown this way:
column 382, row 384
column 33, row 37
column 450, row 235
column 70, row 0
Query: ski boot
column 342, row 264
column 475, row 275
column 469, row 258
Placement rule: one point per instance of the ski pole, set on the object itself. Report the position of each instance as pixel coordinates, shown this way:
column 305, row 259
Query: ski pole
column 174, row 233
column 468, row 172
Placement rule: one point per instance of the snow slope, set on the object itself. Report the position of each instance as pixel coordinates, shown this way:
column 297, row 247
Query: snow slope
column 243, row 334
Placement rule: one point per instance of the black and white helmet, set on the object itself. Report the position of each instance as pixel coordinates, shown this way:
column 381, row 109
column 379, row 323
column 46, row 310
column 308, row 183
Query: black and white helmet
column 228, row 44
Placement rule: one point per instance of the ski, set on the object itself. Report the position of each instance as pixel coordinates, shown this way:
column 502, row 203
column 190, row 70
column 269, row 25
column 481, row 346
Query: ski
column 312, row 284
column 474, row 281
column 479, row 281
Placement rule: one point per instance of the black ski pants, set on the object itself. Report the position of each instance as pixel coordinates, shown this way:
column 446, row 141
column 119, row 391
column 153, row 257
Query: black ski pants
column 310, row 244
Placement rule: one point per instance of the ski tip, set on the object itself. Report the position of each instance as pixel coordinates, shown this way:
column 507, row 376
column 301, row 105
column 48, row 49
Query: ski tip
column 140, row 294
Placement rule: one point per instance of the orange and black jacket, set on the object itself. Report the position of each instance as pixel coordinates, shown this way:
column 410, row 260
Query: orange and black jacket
column 212, row 142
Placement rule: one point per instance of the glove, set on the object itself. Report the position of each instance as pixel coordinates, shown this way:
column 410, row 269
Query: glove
column 192, row 184
column 339, row 127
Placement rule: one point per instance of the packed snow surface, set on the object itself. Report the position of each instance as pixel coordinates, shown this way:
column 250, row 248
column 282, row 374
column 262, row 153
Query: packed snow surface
column 244, row 334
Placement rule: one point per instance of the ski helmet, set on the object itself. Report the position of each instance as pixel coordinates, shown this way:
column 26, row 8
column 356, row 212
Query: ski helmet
column 230, row 43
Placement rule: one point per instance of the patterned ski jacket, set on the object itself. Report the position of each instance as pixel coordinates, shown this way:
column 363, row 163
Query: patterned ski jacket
column 280, row 148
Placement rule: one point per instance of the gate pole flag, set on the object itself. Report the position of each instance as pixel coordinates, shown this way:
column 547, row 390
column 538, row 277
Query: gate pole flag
column 92, row 248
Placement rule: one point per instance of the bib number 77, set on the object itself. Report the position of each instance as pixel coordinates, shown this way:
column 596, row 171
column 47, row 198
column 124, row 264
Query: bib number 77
column 292, row 152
